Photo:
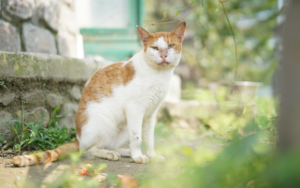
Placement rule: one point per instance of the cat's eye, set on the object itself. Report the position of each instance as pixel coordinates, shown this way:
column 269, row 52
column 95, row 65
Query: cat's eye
column 171, row 46
column 154, row 47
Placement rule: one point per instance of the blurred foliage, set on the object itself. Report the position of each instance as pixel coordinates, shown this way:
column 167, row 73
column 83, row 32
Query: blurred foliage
column 239, row 152
column 211, row 48
column 246, row 162
column 239, row 157
column 190, row 92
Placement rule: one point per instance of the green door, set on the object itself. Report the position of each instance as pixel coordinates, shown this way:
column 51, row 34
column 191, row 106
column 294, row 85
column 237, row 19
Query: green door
column 108, row 28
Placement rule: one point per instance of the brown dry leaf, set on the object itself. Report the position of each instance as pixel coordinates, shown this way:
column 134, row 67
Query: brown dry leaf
column 103, row 186
column 127, row 181
column 89, row 167
column 97, row 170
column 83, row 171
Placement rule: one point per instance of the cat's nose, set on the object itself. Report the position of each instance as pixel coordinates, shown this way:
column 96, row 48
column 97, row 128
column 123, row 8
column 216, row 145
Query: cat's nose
column 163, row 53
column 164, row 56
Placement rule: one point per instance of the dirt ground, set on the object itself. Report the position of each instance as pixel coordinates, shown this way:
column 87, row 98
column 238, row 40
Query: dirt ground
column 11, row 176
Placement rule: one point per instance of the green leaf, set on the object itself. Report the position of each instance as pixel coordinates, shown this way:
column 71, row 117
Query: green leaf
column 55, row 110
column 178, row 12
column 164, row 15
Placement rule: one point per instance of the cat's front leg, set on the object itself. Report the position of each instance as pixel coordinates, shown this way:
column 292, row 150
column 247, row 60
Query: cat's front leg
column 134, row 115
column 148, row 137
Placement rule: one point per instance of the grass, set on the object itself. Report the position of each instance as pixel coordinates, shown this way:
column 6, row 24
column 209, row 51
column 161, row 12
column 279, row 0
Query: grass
column 31, row 135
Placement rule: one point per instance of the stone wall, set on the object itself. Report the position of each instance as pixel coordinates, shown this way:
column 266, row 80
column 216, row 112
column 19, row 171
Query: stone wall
column 42, row 82
column 40, row 26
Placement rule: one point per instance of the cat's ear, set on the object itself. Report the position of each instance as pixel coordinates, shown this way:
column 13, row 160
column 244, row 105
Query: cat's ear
column 179, row 31
column 144, row 35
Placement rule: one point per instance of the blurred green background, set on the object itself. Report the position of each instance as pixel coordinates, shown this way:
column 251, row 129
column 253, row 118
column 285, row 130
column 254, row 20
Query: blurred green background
column 208, row 49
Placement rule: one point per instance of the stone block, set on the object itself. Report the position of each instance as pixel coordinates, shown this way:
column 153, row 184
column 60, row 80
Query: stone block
column 9, row 37
column 37, row 113
column 65, row 25
column 5, row 130
column 54, row 100
column 75, row 92
column 38, row 40
column 17, row 10
column 7, row 97
column 47, row 14
column 67, row 45
column 57, row 15
column 70, row 3
column 36, row 98
column 69, row 121
column 51, row 14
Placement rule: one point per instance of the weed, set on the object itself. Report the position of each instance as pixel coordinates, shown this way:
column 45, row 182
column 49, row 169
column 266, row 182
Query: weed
column 52, row 137
column 2, row 83
column 54, row 118
column 33, row 136
column 2, row 141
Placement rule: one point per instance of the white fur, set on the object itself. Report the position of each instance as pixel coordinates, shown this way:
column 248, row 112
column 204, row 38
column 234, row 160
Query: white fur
column 130, row 112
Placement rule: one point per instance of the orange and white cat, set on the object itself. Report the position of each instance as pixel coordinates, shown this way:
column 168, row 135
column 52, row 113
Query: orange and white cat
column 120, row 102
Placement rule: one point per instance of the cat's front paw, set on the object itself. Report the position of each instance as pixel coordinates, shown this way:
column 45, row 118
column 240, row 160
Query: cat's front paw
column 156, row 158
column 143, row 159
column 113, row 155
column 88, row 155
column 160, row 159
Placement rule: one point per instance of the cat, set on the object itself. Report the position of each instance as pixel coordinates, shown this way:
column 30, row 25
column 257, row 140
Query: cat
column 120, row 102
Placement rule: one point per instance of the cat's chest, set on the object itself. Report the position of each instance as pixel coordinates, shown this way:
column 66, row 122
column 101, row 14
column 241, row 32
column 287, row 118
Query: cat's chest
column 149, row 93
column 155, row 92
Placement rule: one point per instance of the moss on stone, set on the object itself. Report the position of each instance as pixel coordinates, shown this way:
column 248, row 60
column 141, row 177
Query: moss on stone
column 43, row 65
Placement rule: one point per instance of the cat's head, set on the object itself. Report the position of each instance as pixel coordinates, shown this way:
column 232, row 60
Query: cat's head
column 162, row 50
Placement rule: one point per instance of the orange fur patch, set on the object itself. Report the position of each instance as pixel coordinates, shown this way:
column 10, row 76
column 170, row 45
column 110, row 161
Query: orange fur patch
column 100, row 86
column 47, row 156
column 17, row 161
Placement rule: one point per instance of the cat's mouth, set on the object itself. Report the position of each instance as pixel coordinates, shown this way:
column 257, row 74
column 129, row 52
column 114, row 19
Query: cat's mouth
column 164, row 63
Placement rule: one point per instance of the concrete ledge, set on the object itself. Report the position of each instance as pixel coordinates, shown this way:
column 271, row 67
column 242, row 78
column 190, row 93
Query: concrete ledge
column 186, row 109
column 193, row 115
column 21, row 64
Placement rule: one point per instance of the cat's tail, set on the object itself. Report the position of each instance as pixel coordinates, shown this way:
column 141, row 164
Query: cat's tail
column 47, row 156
